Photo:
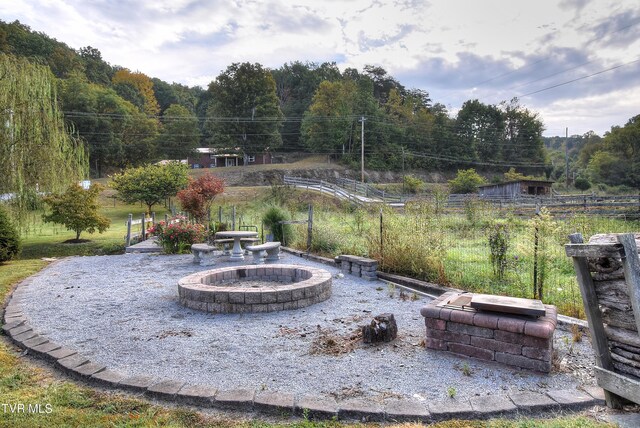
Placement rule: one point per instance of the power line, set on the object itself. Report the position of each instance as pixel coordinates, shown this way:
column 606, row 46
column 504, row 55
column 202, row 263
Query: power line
column 579, row 78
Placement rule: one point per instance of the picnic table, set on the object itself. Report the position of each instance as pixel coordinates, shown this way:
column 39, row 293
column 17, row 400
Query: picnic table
column 237, row 253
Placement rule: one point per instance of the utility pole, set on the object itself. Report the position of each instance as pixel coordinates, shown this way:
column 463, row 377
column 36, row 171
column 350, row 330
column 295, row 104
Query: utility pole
column 566, row 155
column 362, row 119
column 402, row 170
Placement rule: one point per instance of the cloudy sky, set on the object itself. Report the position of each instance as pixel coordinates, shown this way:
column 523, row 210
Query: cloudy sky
column 492, row 50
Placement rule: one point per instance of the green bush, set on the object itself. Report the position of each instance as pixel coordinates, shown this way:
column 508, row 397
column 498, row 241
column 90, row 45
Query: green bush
column 271, row 220
column 9, row 238
column 413, row 184
column 178, row 236
column 499, row 242
column 466, row 181
column 582, row 184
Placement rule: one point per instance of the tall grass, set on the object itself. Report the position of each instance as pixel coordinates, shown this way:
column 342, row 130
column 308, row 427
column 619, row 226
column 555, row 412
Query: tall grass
column 454, row 249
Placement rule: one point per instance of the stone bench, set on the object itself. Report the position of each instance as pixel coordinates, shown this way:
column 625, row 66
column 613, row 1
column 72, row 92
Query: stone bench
column 203, row 254
column 358, row 266
column 225, row 245
column 517, row 340
column 272, row 250
column 244, row 242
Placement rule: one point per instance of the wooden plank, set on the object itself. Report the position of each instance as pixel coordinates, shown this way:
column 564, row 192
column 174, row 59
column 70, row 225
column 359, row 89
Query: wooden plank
column 631, row 264
column 618, row 384
column 593, row 251
column 623, row 336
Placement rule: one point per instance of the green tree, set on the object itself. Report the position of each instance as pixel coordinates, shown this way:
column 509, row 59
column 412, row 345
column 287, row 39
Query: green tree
column 118, row 133
column 466, row 181
column 605, row 167
column 180, row 133
column 513, row 175
column 20, row 40
column 37, row 152
column 9, row 238
column 150, row 184
column 522, row 136
column 383, row 83
column 77, row 210
column 327, row 124
column 243, row 109
column 175, row 93
column 95, row 68
column 623, row 143
column 296, row 83
column 480, row 128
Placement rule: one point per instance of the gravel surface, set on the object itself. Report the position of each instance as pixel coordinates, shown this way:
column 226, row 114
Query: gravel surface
column 123, row 312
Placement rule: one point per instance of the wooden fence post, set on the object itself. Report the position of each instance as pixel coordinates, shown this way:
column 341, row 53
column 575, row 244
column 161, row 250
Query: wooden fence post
column 220, row 214
column 233, row 218
column 631, row 265
column 166, row 218
column 599, row 339
column 144, row 229
column 128, row 238
column 381, row 239
column 310, row 229
column 153, row 218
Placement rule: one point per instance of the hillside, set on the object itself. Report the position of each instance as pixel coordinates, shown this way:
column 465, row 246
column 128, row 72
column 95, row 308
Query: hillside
column 315, row 167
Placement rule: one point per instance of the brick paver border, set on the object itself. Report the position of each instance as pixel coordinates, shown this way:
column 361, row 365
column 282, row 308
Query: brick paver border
column 293, row 287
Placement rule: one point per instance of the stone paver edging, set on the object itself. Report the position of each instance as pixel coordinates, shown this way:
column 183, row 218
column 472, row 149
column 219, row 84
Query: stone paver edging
column 17, row 327
column 293, row 287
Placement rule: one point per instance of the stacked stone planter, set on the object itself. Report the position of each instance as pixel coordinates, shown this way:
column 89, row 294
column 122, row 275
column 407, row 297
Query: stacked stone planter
column 515, row 340
column 358, row 266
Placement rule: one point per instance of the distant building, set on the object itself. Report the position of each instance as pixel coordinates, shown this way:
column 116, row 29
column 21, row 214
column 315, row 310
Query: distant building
column 514, row 189
column 206, row 157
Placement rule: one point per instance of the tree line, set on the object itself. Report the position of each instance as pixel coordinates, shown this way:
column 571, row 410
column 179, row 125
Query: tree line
column 127, row 118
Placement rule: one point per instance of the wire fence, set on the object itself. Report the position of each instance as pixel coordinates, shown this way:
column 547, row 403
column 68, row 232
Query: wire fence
column 480, row 248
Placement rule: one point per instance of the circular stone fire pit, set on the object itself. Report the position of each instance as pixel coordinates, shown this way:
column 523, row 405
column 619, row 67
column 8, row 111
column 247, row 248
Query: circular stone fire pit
column 239, row 289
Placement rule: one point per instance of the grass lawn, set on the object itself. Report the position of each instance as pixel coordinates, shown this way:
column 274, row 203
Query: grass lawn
column 73, row 405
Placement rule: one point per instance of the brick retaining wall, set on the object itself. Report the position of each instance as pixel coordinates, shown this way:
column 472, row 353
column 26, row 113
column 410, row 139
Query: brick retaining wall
column 515, row 340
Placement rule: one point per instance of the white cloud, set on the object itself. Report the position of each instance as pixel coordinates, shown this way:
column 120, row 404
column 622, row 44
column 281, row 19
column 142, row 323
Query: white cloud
column 455, row 50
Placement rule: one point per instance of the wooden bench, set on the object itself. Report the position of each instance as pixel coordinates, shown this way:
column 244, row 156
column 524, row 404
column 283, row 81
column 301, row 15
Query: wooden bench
column 272, row 250
column 203, row 254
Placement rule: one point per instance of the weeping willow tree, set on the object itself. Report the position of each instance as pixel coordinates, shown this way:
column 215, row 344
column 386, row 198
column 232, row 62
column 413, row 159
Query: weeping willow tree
column 38, row 153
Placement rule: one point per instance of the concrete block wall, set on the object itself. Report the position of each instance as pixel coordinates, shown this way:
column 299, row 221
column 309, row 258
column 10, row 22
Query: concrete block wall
column 358, row 266
column 515, row 340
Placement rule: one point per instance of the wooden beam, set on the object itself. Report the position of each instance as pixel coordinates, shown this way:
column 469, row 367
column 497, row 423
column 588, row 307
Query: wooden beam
column 631, row 265
column 620, row 385
column 594, row 251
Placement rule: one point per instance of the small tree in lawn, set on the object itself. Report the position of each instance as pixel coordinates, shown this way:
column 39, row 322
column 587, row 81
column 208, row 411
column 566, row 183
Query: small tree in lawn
column 77, row 210
column 197, row 198
column 150, row 184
